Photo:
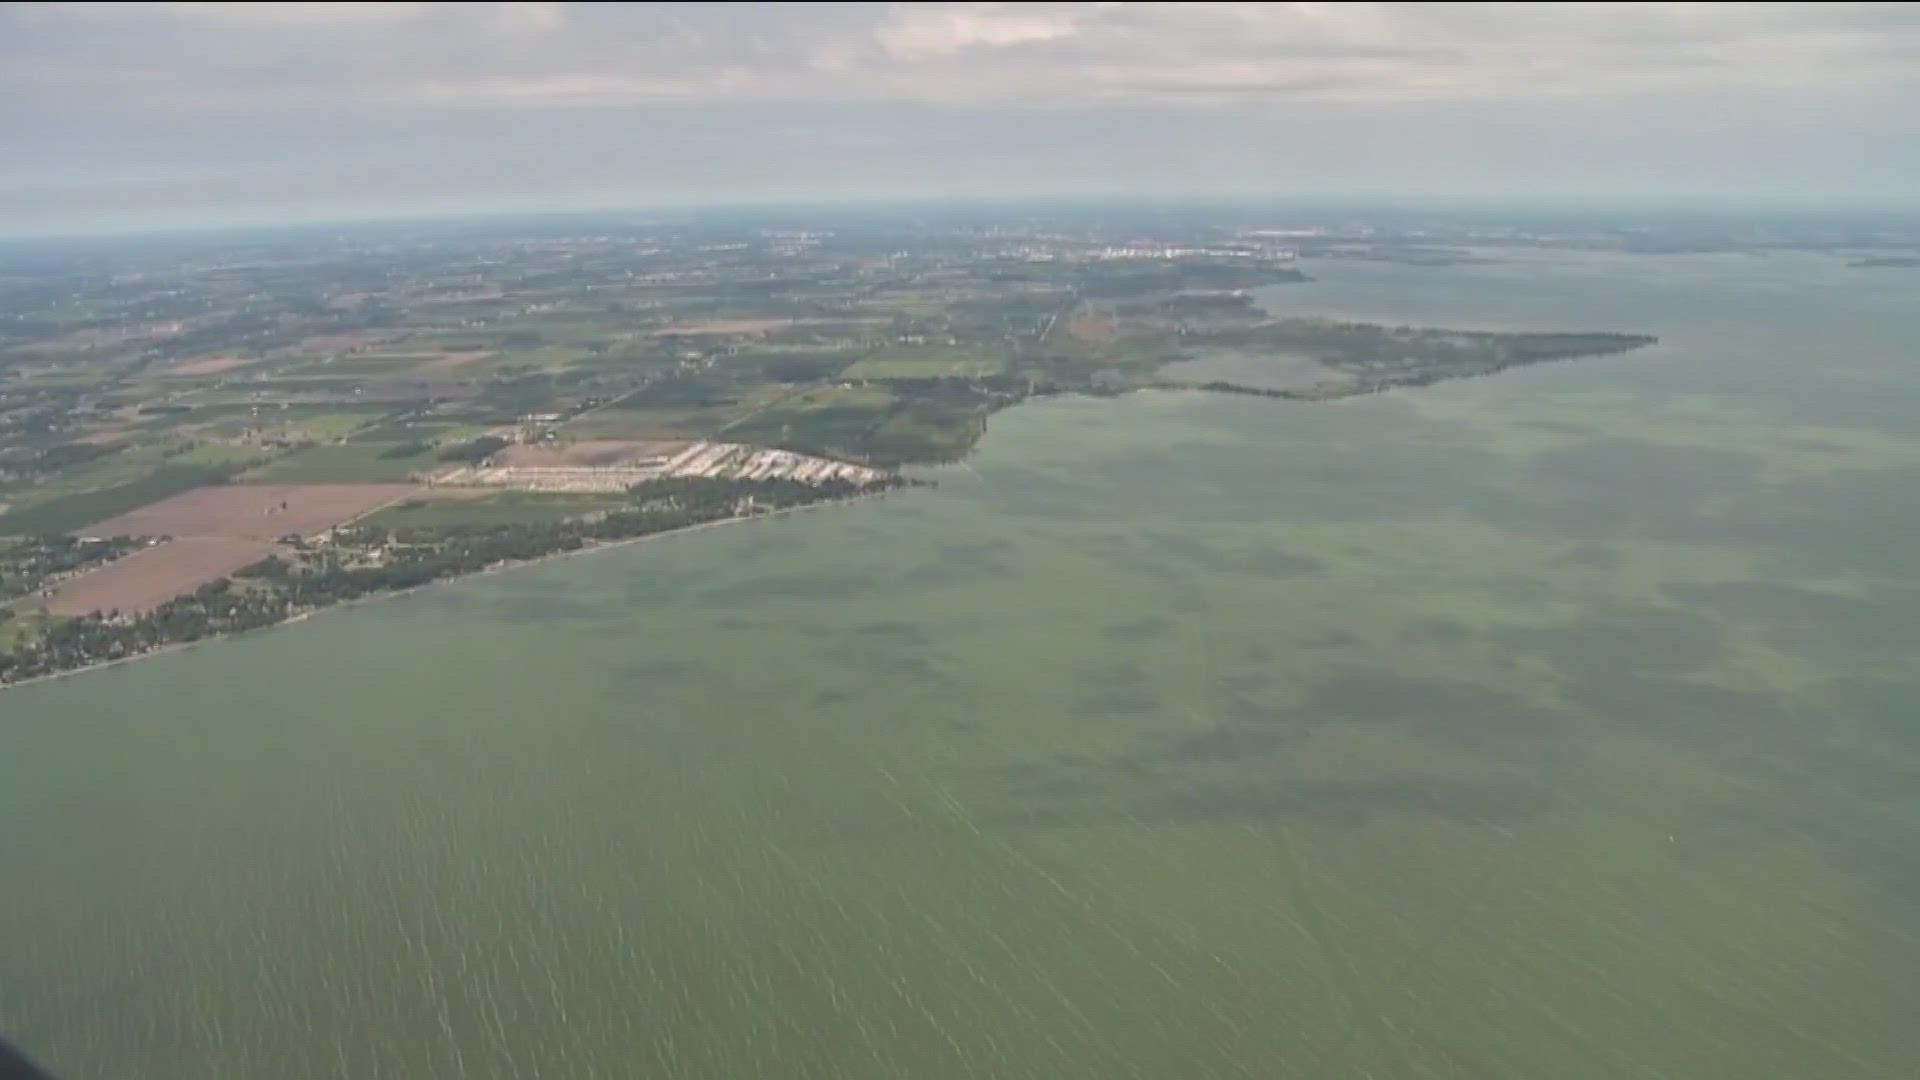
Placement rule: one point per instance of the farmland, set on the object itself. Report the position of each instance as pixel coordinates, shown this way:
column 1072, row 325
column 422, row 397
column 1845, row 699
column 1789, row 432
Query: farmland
column 253, row 511
column 251, row 388
column 924, row 362
column 364, row 463
column 201, row 536
column 151, row 576
column 488, row 510
column 67, row 513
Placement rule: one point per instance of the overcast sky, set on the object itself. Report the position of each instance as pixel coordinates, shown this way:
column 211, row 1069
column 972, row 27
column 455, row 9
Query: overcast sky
column 133, row 116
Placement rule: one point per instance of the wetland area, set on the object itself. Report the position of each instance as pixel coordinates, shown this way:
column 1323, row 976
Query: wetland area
column 1556, row 723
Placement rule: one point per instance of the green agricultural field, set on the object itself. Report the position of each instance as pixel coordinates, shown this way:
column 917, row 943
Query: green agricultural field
column 66, row 513
column 840, row 397
column 222, row 454
column 18, row 628
column 618, row 423
column 316, row 425
column 682, row 407
column 445, row 432
column 507, row 508
column 926, row 432
column 830, row 420
column 927, row 362
column 126, row 465
column 344, row 464
column 790, row 366
column 370, row 367
column 328, row 424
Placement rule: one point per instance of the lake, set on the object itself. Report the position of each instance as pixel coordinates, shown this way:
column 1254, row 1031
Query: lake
column 1560, row 723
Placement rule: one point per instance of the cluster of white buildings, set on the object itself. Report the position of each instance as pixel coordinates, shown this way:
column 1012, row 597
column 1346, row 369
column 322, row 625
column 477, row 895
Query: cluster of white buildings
column 717, row 460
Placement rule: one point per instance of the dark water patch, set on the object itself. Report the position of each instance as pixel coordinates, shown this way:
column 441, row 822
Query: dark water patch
column 1119, row 701
column 1133, row 558
column 1449, row 712
column 859, row 530
column 1810, row 444
column 1116, row 673
column 1249, row 682
column 659, row 670
column 442, row 600
column 1812, row 621
column 1243, row 709
column 958, row 724
column 1681, row 711
column 932, row 574
column 997, row 556
column 1034, row 494
column 1201, row 448
column 897, row 631
column 1021, row 796
column 824, row 585
column 1196, row 549
column 1116, row 689
column 547, row 605
column 1824, row 763
column 1857, row 520
column 649, row 590
column 1569, row 429
column 1144, row 628
column 1234, row 742
column 1767, row 600
column 1623, row 638
column 1359, row 801
column 1010, row 771
column 1888, row 708
column 1606, row 488
column 1611, row 466
column 78, row 1013
column 877, row 656
column 900, row 663
column 1191, row 602
column 1590, row 556
column 1880, row 854
column 1333, row 639
column 1272, row 561
column 1519, row 591
column 1436, row 631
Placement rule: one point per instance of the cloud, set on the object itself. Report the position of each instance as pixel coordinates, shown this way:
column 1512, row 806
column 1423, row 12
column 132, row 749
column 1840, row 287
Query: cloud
column 1013, row 55
column 912, row 32
column 250, row 14
column 116, row 107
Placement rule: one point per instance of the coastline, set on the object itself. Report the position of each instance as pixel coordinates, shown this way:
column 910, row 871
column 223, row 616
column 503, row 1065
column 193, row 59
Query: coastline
column 497, row 568
column 1319, row 394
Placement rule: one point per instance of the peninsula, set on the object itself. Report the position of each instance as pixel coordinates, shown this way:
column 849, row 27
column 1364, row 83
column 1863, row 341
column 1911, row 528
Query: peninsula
column 200, row 437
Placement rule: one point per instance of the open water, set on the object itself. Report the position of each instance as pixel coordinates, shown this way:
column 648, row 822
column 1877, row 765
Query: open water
column 1557, row 724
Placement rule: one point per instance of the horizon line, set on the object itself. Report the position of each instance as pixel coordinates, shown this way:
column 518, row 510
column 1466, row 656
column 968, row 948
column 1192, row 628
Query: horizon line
column 681, row 211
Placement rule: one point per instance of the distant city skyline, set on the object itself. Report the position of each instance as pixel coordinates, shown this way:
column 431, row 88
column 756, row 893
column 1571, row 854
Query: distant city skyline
column 119, row 117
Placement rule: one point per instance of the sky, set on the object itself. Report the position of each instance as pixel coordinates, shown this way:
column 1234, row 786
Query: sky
column 120, row 117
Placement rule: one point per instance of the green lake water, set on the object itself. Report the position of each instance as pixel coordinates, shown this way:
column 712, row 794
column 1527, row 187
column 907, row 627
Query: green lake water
column 1557, row 724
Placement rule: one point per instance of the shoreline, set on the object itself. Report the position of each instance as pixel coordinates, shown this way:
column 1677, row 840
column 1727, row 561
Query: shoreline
column 1151, row 388
column 497, row 568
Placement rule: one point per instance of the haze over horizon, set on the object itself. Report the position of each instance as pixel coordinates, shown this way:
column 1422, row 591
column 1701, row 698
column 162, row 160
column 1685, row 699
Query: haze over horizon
column 122, row 117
